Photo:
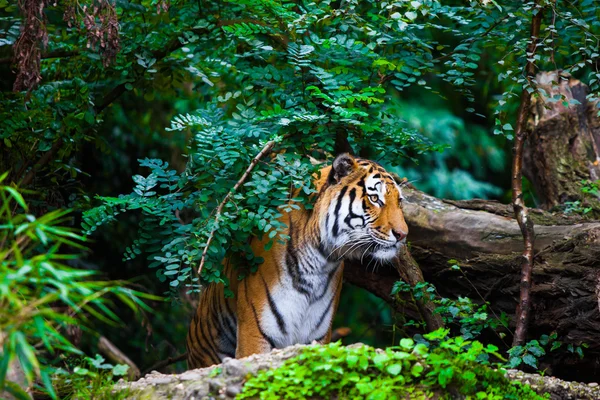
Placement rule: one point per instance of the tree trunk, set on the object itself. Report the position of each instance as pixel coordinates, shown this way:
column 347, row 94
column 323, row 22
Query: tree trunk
column 486, row 241
column 564, row 142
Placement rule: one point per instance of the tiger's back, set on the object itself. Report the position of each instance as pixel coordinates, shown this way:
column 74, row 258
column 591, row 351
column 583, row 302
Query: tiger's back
column 293, row 296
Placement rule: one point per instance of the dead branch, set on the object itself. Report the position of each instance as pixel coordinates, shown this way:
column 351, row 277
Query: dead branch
column 115, row 355
column 265, row 150
column 521, row 214
column 164, row 363
column 45, row 159
column 409, row 271
column 339, row 333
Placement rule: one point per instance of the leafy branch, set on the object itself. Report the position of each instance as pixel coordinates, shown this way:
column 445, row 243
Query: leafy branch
column 264, row 151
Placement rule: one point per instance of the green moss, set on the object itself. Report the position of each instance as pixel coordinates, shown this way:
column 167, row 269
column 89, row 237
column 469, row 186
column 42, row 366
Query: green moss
column 455, row 367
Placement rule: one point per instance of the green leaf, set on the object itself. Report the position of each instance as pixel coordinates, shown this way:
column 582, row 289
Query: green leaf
column 411, row 15
column 120, row 370
column 514, row 362
column 394, row 369
column 445, row 376
column 380, row 359
column 416, row 369
column 17, row 196
column 352, row 359
column 407, row 343
column 529, row 359
column 18, row 393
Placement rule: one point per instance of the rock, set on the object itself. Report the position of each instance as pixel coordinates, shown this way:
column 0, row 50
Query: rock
column 214, row 385
column 233, row 390
column 226, row 381
column 233, row 367
column 189, row 376
column 159, row 381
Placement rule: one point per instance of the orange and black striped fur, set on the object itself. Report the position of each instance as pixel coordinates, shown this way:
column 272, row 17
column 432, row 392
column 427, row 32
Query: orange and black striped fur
column 294, row 294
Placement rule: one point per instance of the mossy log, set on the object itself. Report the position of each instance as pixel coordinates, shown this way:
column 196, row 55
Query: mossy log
column 486, row 241
column 226, row 381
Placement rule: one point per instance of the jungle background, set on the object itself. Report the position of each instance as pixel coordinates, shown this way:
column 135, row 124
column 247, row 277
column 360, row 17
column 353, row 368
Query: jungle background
column 140, row 116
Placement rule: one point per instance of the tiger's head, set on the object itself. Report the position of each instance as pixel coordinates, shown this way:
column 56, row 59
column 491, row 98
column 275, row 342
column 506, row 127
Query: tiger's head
column 360, row 208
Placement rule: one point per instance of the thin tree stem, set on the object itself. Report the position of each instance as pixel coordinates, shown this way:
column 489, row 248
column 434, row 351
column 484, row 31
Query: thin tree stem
column 520, row 210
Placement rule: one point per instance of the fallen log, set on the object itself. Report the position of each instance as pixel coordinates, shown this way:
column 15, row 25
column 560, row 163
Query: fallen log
column 227, row 380
column 484, row 238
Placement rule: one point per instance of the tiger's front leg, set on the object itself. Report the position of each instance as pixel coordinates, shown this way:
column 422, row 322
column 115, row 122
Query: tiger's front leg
column 336, row 301
column 251, row 338
column 250, row 343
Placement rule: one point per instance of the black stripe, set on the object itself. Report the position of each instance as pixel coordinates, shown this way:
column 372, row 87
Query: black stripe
column 324, row 314
column 225, row 323
column 321, row 249
column 361, row 182
column 265, row 336
column 230, row 312
column 213, row 320
column 337, row 210
column 293, row 266
column 322, row 337
column 198, row 342
column 194, row 358
column 325, row 289
column 273, row 307
column 351, row 214
column 230, row 332
column 223, row 334
column 212, row 352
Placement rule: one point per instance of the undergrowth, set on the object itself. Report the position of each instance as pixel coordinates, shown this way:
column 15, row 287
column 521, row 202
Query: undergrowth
column 441, row 368
column 92, row 378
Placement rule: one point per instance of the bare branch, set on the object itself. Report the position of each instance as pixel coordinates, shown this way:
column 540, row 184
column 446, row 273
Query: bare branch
column 520, row 210
column 161, row 364
column 45, row 159
column 111, row 351
column 265, row 150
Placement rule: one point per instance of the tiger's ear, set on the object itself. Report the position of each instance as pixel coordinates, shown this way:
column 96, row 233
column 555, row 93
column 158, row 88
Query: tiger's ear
column 343, row 165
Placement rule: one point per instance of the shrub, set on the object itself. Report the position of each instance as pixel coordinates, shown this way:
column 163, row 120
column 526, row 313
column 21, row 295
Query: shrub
column 40, row 294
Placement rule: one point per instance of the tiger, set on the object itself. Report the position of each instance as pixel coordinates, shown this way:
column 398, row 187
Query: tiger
column 294, row 294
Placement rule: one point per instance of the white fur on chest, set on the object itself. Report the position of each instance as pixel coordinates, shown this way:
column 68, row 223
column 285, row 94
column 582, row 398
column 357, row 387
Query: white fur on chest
column 303, row 320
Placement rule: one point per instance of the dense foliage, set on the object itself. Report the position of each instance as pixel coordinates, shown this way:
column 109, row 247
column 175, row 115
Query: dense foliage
column 438, row 367
column 41, row 295
column 142, row 116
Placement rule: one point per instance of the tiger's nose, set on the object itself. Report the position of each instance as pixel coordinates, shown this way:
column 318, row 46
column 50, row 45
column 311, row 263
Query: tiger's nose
column 399, row 235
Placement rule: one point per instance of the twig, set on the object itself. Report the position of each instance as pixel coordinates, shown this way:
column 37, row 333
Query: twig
column 45, row 159
column 340, row 333
column 51, row 54
column 265, row 150
column 115, row 355
column 164, row 363
column 520, row 210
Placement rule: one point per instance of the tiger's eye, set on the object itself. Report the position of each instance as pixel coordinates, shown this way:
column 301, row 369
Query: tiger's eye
column 374, row 198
